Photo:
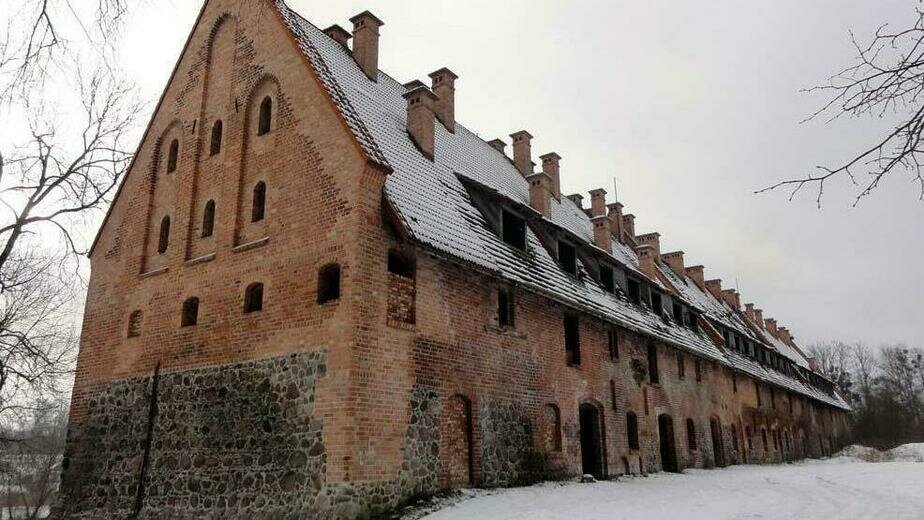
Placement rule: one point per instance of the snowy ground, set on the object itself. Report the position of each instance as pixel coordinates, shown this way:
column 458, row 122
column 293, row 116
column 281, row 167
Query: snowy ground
column 842, row 487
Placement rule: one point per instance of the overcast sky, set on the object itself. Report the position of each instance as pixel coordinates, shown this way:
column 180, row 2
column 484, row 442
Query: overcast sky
column 691, row 106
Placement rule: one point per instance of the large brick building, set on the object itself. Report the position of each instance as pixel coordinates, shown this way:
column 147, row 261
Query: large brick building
column 318, row 295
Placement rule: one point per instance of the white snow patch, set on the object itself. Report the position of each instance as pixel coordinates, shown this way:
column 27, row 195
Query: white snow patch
column 834, row 488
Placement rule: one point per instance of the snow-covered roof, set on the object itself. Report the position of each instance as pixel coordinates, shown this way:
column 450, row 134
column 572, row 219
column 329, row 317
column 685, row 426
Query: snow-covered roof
column 434, row 207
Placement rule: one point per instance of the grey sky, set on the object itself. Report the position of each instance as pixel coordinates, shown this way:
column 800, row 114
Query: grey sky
column 692, row 106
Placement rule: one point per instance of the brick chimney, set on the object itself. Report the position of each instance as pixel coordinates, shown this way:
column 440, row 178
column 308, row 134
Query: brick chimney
column 749, row 311
column 652, row 239
column 674, row 260
column 614, row 210
column 498, row 145
column 696, row 273
column 732, row 298
column 785, row 336
column 759, row 317
column 339, row 35
column 603, row 236
column 771, row 327
column 550, row 167
column 444, row 86
column 366, row 43
column 540, row 195
column 522, row 152
column 628, row 224
column 646, row 258
column 715, row 288
column 577, row 199
column 420, row 116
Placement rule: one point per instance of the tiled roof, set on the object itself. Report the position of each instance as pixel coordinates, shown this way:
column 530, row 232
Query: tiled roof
column 434, row 206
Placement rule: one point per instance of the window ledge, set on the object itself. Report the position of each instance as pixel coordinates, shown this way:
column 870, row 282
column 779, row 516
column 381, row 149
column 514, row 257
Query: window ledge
column 201, row 260
column 155, row 272
column 251, row 245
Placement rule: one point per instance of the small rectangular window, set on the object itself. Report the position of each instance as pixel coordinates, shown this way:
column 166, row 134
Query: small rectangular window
column 681, row 366
column 567, row 257
column 505, row 308
column 656, row 305
column 613, row 343
column 613, row 394
column 653, row 375
column 757, row 391
column 572, row 340
column 606, row 278
column 513, row 230
column 698, row 367
column 734, row 382
column 635, row 293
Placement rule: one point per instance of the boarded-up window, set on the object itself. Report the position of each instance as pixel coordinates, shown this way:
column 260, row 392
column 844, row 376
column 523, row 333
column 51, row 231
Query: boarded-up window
column 266, row 116
column 572, row 340
column 402, row 290
column 552, row 428
column 632, row 430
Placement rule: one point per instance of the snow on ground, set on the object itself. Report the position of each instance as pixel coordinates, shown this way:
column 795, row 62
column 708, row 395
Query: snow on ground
column 842, row 487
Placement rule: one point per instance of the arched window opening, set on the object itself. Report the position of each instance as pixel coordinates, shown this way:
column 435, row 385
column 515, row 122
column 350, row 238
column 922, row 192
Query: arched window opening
column 134, row 324
column 173, row 155
column 215, row 146
column 190, row 312
column 632, row 430
column 691, row 435
column 329, row 283
column 208, row 219
column 253, row 298
column 553, row 428
column 258, row 207
column 401, row 264
column 164, row 237
column 266, row 116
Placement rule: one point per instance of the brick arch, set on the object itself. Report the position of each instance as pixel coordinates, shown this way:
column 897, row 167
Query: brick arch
column 457, row 446
column 601, row 418
column 161, row 187
column 551, row 428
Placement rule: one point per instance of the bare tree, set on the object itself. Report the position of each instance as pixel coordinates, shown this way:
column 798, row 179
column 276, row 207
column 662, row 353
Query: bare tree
column 899, row 378
column 887, row 80
column 864, row 363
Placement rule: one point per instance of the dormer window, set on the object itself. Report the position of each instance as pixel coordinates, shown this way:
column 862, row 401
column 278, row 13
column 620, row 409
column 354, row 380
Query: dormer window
column 513, row 230
column 567, row 257
column 678, row 313
column 606, row 278
column 635, row 291
column 656, row 305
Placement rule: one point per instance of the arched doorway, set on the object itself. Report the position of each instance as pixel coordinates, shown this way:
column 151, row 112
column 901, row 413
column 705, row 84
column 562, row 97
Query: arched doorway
column 459, row 442
column 718, row 447
column 668, row 451
column 592, row 460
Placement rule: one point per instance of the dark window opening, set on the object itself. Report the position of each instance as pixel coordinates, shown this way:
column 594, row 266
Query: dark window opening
column 401, row 264
column 266, row 116
column 173, row 156
column 329, row 283
column 698, row 367
column 190, row 312
column 678, row 313
column 747, row 435
column 613, row 394
column 572, row 340
column 734, row 436
column 612, row 340
column 253, row 298
column 606, row 278
column 215, row 145
column 653, row 375
column 258, row 207
column 632, row 430
column 505, row 308
column 757, row 390
column 691, row 320
column 691, row 435
column 208, row 219
column 635, row 292
column 164, row 239
column 567, row 257
column 763, row 438
column 513, row 230
column 681, row 366
column 772, row 398
column 134, row 324
column 656, row 304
